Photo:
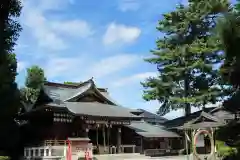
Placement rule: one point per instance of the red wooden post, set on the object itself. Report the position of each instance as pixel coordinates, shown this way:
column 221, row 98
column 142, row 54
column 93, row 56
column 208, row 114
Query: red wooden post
column 69, row 150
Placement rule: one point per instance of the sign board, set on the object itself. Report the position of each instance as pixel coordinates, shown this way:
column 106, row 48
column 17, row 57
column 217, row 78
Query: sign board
column 200, row 141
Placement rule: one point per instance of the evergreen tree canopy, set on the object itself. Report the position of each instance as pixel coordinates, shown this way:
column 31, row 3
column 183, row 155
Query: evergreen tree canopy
column 186, row 57
column 9, row 32
column 229, row 33
column 9, row 93
column 34, row 81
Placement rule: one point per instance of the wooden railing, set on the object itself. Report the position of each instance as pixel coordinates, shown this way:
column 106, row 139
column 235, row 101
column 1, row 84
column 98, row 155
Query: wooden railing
column 57, row 152
column 54, row 149
column 125, row 148
column 113, row 149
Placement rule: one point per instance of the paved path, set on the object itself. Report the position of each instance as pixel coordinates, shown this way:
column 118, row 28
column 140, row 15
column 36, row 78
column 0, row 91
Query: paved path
column 180, row 157
column 142, row 157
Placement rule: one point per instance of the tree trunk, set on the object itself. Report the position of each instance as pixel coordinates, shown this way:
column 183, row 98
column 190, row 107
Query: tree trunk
column 187, row 108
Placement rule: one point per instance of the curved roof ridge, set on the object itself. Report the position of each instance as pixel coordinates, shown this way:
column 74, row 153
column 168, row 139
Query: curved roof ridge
column 81, row 89
column 76, row 85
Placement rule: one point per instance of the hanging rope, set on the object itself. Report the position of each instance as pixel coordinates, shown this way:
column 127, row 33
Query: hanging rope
column 195, row 142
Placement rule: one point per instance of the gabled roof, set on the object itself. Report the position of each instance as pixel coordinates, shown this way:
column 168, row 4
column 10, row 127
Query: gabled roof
column 69, row 92
column 180, row 121
column 222, row 113
column 64, row 96
column 205, row 120
column 151, row 131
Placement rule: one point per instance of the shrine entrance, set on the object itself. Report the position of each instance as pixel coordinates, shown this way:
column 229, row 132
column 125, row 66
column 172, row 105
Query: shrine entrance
column 202, row 136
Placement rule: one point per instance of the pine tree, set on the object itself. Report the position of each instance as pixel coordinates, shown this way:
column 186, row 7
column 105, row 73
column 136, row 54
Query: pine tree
column 229, row 33
column 186, row 57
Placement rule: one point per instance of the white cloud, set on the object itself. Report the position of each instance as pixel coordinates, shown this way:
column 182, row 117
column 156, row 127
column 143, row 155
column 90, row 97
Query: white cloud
column 119, row 33
column 112, row 64
column 34, row 19
column 46, row 31
column 58, row 66
column 21, row 66
column 134, row 78
column 128, row 5
column 75, row 28
column 80, row 67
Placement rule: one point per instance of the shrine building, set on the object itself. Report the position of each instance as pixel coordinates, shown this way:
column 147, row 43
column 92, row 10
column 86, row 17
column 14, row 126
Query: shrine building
column 84, row 112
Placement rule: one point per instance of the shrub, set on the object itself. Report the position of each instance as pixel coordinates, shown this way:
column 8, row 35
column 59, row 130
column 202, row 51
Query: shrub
column 223, row 150
column 4, row 158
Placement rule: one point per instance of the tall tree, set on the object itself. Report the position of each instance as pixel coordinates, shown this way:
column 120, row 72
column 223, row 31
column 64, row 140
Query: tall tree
column 229, row 32
column 33, row 83
column 186, row 57
column 9, row 93
column 9, row 32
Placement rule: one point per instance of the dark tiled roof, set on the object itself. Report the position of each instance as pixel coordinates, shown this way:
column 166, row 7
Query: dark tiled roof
column 150, row 131
column 184, row 119
column 66, row 92
column 95, row 109
column 64, row 96
column 151, row 117
column 205, row 120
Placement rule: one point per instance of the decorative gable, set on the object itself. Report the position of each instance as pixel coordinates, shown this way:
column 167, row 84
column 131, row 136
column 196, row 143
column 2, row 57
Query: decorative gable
column 90, row 97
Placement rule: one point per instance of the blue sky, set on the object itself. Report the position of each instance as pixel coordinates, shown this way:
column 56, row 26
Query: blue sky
column 74, row 40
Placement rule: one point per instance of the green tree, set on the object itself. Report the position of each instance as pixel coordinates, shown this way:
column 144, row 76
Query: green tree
column 185, row 57
column 9, row 32
column 33, row 83
column 35, row 77
column 229, row 33
column 9, row 93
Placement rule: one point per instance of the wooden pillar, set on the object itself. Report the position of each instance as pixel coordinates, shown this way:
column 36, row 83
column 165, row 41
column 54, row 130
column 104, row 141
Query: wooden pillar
column 108, row 137
column 214, row 142
column 97, row 133
column 142, row 147
column 186, row 143
column 104, row 137
column 119, row 140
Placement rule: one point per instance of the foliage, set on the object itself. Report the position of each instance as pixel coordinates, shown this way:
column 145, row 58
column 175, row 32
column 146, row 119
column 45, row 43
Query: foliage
column 229, row 136
column 9, row 93
column 224, row 150
column 4, row 158
column 35, row 77
column 34, row 81
column 229, row 34
column 185, row 57
column 72, row 83
column 9, row 32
